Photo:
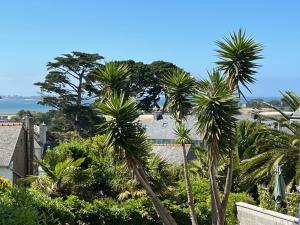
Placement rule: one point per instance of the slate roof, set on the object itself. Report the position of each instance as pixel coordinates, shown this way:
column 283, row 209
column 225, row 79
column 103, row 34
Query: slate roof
column 164, row 128
column 172, row 153
column 9, row 135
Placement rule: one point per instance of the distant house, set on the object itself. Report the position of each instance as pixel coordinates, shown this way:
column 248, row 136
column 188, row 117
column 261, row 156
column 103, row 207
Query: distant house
column 296, row 116
column 161, row 128
column 172, row 153
column 19, row 146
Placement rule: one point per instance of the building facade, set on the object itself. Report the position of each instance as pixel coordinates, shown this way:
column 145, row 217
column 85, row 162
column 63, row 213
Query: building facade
column 19, row 147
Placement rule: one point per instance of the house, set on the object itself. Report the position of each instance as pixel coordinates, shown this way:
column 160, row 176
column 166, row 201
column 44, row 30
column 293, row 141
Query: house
column 161, row 128
column 172, row 153
column 19, row 147
column 295, row 116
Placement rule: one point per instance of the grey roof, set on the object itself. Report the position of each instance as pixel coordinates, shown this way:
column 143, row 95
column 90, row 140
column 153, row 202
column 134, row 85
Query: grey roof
column 164, row 128
column 244, row 116
column 172, row 153
column 9, row 135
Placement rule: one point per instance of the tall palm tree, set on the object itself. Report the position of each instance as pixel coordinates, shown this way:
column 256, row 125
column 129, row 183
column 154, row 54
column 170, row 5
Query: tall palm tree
column 113, row 78
column 237, row 60
column 179, row 87
column 216, row 106
column 129, row 141
column 237, row 56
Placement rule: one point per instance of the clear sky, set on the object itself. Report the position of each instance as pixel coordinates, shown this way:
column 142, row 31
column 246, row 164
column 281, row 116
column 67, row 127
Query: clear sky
column 183, row 32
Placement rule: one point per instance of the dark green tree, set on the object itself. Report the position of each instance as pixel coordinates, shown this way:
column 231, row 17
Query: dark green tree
column 68, row 85
column 145, row 83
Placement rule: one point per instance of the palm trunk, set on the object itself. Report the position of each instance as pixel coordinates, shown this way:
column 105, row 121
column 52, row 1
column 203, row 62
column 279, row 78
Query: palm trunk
column 189, row 193
column 228, row 183
column 216, row 203
column 213, row 210
column 161, row 211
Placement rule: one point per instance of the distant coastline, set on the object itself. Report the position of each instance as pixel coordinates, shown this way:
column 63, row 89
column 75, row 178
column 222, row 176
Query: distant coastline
column 13, row 105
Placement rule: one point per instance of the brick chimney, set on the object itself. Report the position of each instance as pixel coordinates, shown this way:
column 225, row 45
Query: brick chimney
column 28, row 120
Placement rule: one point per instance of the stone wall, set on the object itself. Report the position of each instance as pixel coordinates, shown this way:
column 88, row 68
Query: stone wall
column 253, row 215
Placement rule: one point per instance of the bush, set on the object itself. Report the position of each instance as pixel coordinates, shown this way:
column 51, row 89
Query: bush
column 231, row 211
column 25, row 207
column 110, row 212
column 267, row 201
column 4, row 183
column 293, row 200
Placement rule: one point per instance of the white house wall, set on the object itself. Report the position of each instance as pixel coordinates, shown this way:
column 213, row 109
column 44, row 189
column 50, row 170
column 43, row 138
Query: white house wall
column 6, row 173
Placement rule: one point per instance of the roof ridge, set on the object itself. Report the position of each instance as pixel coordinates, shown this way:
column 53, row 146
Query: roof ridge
column 10, row 124
column 169, row 144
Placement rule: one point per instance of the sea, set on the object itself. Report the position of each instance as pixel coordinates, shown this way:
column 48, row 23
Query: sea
column 12, row 106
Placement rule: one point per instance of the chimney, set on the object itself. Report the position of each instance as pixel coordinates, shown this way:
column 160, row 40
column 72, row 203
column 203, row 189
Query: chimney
column 43, row 134
column 158, row 115
column 30, row 144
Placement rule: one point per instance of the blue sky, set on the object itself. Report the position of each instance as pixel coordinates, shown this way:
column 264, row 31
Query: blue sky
column 183, row 32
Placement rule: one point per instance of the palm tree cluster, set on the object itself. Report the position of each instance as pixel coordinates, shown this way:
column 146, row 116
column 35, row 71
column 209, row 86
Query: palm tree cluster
column 214, row 101
column 274, row 147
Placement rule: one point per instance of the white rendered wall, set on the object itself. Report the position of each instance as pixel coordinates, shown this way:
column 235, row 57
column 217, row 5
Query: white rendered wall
column 6, row 173
column 253, row 215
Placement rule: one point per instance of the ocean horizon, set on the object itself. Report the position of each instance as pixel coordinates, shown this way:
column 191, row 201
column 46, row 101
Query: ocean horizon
column 12, row 106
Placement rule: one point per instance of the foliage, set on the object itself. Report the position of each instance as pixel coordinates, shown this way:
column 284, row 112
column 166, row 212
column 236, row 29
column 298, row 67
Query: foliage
column 179, row 86
column 112, row 78
column 146, row 82
column 237, row 56
column 276, row 147
column 265, row 198
column 68, row 85
column 4, row 183
column 231, row 211
column 60, row 178
column 19, row 206
column 267, row 201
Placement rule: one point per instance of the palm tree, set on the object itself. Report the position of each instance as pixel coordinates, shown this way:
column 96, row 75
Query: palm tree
column 277, row 147
column 129, row 141
column 237, row 59
column 113, row 78
column 179, row 88
column 237, row 56
column 60, row 177
column 215, row 107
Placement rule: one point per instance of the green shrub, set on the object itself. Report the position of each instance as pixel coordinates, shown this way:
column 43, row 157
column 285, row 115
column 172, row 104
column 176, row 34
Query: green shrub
column 231, row 212
column 267, row 201
column 265, row 198
column 108, row 211
column 25, row 207
column 293, row 200
column 4, row 183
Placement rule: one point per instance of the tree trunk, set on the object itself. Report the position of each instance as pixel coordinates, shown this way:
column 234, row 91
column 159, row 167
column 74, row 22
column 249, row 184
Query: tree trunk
column 189, row 193
column 213, row 211
column 228, row 183
column 216, row 203
column 78, row 101
column 161, row 211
